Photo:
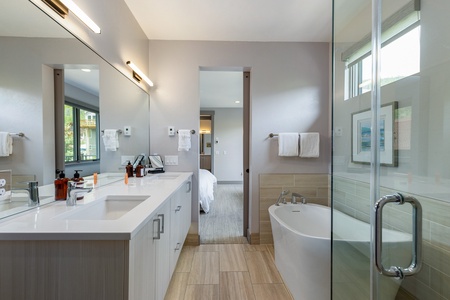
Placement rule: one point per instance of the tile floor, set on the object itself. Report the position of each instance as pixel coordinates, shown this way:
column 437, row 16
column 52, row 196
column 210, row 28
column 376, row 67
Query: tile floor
column 227, row 271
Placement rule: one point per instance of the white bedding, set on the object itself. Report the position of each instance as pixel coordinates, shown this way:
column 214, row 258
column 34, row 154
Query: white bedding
column 207, row 182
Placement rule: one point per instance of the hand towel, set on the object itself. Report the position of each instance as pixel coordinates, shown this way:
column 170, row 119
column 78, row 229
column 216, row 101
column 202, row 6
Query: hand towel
column 111, row 139
column 288, row 144
column 184, row 140
column 309, row 144
column 6, row 144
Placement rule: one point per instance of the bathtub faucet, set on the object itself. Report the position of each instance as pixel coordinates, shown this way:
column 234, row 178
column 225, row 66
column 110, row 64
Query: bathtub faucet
column 296, row 196
column 281, row 198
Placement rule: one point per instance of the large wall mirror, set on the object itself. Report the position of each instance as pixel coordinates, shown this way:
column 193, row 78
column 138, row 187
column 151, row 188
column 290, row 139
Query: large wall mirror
column 32, row 47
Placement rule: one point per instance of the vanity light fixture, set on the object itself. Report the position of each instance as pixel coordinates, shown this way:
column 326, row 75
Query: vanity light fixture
column 138, row 75
column 58, row 7
column 80, row 14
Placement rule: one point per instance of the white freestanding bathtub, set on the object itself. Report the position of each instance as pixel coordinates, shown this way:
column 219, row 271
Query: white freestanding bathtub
column 302, row 242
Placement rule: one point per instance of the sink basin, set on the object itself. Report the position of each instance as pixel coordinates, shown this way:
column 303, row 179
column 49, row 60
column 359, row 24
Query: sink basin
column 108, row 208
column 11, row 205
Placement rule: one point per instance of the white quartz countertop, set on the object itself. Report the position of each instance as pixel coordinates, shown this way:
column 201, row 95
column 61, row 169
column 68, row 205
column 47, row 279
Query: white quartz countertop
column 46, row 223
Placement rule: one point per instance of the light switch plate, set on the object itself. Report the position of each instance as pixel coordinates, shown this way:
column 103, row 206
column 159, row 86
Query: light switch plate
column 127, row 131
column 171, row 160
column 171, row 130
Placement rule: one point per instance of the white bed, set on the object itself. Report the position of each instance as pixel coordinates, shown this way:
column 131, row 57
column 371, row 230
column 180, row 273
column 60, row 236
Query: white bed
column 207, row 183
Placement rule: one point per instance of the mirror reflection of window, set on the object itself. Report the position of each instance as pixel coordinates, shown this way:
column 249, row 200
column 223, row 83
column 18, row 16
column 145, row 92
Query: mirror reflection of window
column 81, row 134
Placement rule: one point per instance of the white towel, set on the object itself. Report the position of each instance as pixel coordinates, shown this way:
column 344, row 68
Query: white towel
column 288, row 144
column 184, row 140
column 6, row 144
column 111, row 139
column 309, row 144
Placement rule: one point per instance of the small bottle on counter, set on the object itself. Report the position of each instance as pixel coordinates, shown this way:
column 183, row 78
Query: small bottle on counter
column 140, row 170
column 61, row 186
column 80, row 181
column 129, row 169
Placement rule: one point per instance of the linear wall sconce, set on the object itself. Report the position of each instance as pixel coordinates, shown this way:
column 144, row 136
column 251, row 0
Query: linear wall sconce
column 58, row 7
column 62, row 8
column 138, row 74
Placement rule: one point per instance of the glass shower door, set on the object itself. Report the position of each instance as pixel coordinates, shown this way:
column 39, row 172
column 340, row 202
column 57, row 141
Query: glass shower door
column 391, row 139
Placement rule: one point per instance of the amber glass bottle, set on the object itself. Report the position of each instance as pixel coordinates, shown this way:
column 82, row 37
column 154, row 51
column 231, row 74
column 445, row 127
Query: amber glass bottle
column 61, row 186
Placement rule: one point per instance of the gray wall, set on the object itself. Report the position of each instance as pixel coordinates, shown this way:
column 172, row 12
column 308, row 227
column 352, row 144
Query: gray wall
column 289, row 92
column 121, row 39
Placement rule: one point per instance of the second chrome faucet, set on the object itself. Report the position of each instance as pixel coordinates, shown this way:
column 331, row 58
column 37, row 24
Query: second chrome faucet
column 73, row 190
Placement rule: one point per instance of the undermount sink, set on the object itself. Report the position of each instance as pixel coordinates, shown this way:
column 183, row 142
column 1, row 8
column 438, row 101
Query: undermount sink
column 111, row 207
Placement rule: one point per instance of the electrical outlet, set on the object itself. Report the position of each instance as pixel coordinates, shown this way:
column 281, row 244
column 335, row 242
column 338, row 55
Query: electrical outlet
column 124, row 159
column 171, row 160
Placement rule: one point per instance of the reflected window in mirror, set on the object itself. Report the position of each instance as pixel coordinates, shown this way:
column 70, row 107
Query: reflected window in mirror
column 81, row 133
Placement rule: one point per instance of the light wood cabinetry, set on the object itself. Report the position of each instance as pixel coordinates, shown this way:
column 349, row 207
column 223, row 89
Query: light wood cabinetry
column 136, row 269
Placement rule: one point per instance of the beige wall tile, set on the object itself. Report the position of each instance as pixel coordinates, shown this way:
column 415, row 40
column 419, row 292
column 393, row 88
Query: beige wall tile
column 276, row 180
column 271, row 193
column 266, row 238
column 308, row 192
column 307, row 180
column 236, row 285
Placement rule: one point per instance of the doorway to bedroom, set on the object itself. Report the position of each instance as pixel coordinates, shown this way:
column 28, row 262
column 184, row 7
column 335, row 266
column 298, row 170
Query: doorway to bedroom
column 221, row 219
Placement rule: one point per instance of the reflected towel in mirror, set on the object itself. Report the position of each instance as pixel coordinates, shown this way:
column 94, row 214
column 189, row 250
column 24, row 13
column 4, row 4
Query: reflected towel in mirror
column 6, row 144
column 111, row 139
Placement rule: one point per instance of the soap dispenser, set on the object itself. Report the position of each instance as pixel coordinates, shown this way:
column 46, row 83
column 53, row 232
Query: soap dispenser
column 61, row 186
column 139, row 170
column 76, row 178
column 129, row 169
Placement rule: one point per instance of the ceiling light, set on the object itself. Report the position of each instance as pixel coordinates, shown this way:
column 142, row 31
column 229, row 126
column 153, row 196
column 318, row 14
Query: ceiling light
column 58, row 7
column 81, row 15
column 86, row 70
column 138, row 74
column 237, row 101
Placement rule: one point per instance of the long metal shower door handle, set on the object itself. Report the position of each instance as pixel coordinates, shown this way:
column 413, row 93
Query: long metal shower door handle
column 416, row 261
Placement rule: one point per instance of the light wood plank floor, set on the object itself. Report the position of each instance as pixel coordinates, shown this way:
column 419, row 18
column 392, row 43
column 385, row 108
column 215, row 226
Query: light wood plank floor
column 224, row 222
column 227, row 272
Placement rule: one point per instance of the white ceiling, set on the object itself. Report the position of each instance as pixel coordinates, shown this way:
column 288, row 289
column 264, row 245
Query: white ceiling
column 235, row 20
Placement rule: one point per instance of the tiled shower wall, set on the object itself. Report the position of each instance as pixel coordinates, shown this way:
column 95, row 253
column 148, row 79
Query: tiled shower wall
column 315, row 187
column 433, row 282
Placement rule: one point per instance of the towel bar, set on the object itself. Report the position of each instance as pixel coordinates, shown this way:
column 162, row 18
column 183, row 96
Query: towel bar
column 118, row 130
column 192, row 131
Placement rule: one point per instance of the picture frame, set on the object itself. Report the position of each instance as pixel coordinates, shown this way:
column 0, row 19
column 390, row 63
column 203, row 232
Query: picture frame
column 361, row 136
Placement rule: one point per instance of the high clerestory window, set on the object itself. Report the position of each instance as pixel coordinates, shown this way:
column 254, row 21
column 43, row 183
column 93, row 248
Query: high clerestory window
column 81, row 133
column 400, row 52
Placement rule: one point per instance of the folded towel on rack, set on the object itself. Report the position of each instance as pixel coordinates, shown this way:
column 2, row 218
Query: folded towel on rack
column 288, row 144
column 309, row 144
column 6, row 144
column 111, row 139
column 184, row 140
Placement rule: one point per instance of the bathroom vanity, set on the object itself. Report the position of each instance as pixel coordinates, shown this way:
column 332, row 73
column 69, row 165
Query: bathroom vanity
column 119, row 242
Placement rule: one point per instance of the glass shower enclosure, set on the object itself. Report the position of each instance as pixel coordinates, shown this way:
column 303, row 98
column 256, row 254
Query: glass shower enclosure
column 391, row 149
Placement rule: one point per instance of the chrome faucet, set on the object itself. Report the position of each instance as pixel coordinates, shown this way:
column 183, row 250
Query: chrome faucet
column 73, row 191
column 281, row 198
column 297, row 195
column 32, row 191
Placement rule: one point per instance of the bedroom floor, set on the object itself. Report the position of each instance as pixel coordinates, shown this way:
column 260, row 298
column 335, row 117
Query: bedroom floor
column 233, row 271
column 224, row 222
